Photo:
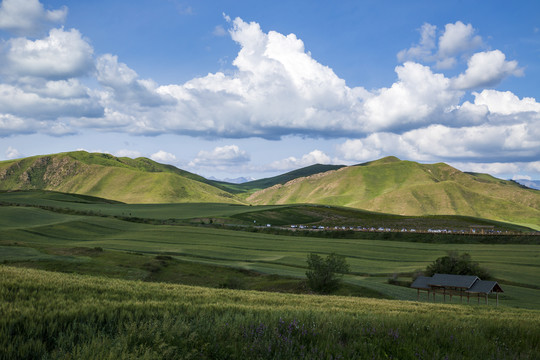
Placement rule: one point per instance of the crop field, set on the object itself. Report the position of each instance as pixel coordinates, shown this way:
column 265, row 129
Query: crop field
column 32, row 236
column 55, row 315
column 79, row 281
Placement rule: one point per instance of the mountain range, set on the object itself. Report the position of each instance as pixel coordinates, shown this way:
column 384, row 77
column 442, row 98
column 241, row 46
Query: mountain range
column 388, row 185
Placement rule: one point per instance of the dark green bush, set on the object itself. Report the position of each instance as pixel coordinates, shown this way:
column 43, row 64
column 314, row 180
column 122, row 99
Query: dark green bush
column 324, row 275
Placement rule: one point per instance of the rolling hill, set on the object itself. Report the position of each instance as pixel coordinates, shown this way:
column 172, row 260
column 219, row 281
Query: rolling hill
column 127, row 180
column 408, row 188
column 254, row 185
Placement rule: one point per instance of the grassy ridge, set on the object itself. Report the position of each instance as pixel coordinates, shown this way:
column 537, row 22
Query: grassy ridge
column 404, row 187
column 52, row 315
column 128, row 180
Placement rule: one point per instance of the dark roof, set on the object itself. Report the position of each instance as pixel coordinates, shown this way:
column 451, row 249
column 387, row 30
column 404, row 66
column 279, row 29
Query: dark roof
column 421, row 282
column 471, row 283
column 448, row 280
column 485, row 287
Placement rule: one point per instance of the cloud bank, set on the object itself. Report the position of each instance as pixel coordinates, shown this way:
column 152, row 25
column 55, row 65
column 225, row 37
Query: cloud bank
column 276, row 89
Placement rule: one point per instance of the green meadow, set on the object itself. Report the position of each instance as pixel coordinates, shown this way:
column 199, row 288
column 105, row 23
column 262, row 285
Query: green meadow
column 49, row 233
column 67, row 316
column 83, row 277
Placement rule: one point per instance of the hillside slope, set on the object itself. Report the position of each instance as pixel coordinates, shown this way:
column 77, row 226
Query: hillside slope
column 128, row 180
column 251, row 186
column 408, row 188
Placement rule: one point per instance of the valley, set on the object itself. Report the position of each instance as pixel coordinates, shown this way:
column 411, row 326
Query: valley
column 224, row 275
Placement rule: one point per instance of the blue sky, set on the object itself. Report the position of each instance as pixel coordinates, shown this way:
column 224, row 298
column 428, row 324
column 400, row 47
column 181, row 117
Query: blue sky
column 243, row 88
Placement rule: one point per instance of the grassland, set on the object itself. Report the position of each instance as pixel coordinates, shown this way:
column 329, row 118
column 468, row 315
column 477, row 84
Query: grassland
column 54, row 315
column 409, row 188
column 387, row 185
column 83, row 277
column 123, row 179
column 40, row 238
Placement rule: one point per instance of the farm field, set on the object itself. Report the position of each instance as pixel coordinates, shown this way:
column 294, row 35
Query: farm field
column 83, row 277
column 55, row 315
column 33, row 236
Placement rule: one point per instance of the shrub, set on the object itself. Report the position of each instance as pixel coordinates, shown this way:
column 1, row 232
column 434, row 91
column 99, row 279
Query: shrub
column 457, row 265
column 324, row 275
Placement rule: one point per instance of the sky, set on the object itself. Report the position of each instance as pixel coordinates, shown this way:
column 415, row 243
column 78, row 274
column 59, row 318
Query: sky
column 234, row 88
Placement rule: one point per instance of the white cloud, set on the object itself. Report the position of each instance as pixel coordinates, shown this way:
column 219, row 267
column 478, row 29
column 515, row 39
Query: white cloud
column 424, row 50
column 278, row 89
column 534, row 166
column 219, row 31
column 506, row 103
column 292, row 163
column 125, row 87
column 521, row 177
column 128, row 153
column 12, row 153
column 486, row 69
column 28, row 17
column 61, row 55
column 413, row 99
column 438, row 142
column 221, row 157
column 495, row 168
column 163, row 157
column 47, row 102
column 458, row 38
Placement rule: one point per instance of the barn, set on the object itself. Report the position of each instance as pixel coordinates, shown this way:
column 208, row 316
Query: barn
column 454, row 285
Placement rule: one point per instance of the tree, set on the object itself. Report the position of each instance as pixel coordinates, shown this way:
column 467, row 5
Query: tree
column 457, row 265
column 324, row 275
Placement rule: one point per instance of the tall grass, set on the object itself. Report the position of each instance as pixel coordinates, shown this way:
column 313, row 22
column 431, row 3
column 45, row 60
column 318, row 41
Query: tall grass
column 53, row 315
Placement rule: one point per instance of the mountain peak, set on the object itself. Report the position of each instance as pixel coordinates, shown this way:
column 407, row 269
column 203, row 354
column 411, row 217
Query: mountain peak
column 384, row 160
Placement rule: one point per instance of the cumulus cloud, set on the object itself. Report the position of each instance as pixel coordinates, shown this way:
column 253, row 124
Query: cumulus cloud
column 276, row 89
column 221, row 157
column 12, row 153
column 48, row 102
column 124, row 84
column 163, row 156
column 486, row 69
column 456, row 40
column 506, row 103
column 521, row 177
column 128, row 153
column 412, row 100
column 291, row 163
column 28, row 17
column 439, row 142
column 424, row 49
column 61, row 55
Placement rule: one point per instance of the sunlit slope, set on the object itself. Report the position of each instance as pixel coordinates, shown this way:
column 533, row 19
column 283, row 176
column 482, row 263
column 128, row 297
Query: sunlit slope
column 408, row 188
column 128, row 180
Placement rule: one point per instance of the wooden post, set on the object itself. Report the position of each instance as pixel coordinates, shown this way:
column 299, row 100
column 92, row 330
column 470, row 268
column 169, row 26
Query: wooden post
column 497, row 304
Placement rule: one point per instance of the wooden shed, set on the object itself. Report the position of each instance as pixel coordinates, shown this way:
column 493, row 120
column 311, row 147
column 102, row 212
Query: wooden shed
column 453, row 285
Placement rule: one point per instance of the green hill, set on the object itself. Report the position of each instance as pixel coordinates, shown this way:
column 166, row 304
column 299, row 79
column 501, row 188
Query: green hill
column 127, row 180
column 408, row 188
column 251, row 186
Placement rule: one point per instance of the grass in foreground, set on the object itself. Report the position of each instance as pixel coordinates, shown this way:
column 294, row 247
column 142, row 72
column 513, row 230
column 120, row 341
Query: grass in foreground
column 53, row 315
